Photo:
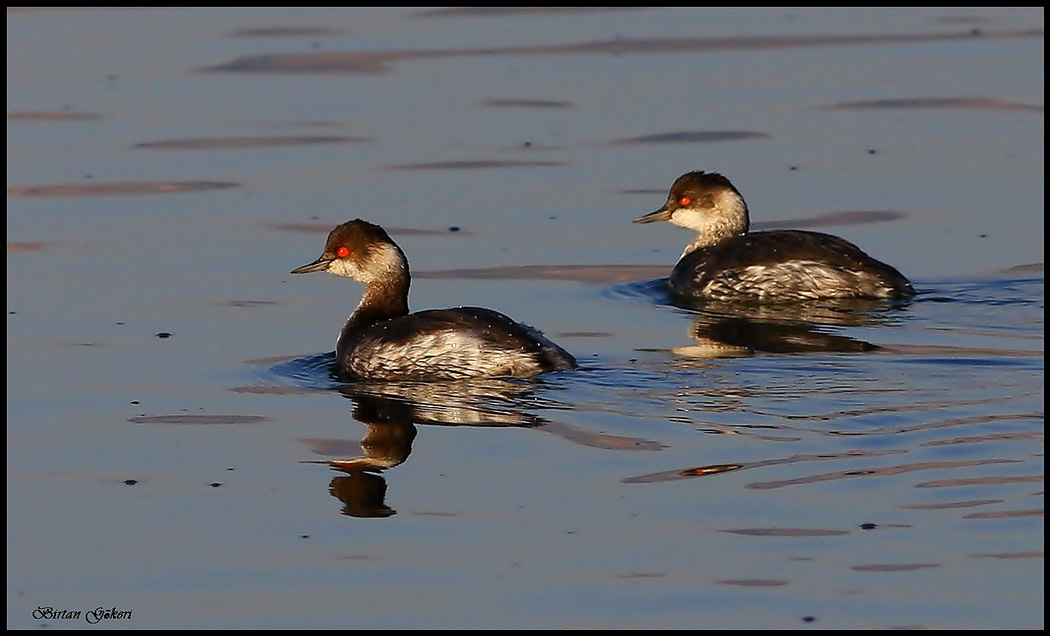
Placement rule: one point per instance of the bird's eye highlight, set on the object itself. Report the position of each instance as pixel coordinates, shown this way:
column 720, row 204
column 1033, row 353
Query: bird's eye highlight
column 684, row 201
column 342, row 251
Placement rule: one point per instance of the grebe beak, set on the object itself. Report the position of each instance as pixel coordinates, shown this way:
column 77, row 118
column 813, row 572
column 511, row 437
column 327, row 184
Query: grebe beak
column 320, row 265
column 663, row 214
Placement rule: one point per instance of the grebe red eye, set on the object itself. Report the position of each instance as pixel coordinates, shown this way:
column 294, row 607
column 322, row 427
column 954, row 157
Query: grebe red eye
column 684, row 201
column 342, row 251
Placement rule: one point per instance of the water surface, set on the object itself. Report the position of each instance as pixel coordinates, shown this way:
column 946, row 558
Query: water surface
column 179, row 453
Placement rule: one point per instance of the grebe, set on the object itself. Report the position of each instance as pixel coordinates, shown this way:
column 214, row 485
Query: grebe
column 381, row 340
column 726, row 262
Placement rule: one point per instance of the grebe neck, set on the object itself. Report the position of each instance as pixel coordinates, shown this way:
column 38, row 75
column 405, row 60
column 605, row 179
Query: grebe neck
column 385, row 296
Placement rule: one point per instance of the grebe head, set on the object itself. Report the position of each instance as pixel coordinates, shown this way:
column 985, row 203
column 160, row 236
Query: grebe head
column 362, row 251
column 707, row 203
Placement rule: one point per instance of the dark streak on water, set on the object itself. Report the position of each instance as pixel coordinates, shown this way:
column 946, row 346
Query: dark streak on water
column 373, row 62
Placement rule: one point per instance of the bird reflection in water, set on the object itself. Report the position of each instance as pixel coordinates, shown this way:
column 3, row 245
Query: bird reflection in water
column 391, row 411
column 723, row 330
column 387, row 443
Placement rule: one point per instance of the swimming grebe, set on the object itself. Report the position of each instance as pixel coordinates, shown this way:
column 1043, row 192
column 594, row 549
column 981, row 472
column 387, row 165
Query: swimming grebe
column 726, row 262
column 381, row 340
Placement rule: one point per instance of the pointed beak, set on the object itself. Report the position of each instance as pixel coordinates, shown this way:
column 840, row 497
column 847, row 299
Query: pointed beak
column 663, row 214
column 320, row 265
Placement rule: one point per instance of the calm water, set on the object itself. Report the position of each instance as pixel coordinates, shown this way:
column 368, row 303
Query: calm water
column 179, row 455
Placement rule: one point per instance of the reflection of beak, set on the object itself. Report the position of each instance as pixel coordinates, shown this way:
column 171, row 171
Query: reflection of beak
column 320, row 265
column 663, row 214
